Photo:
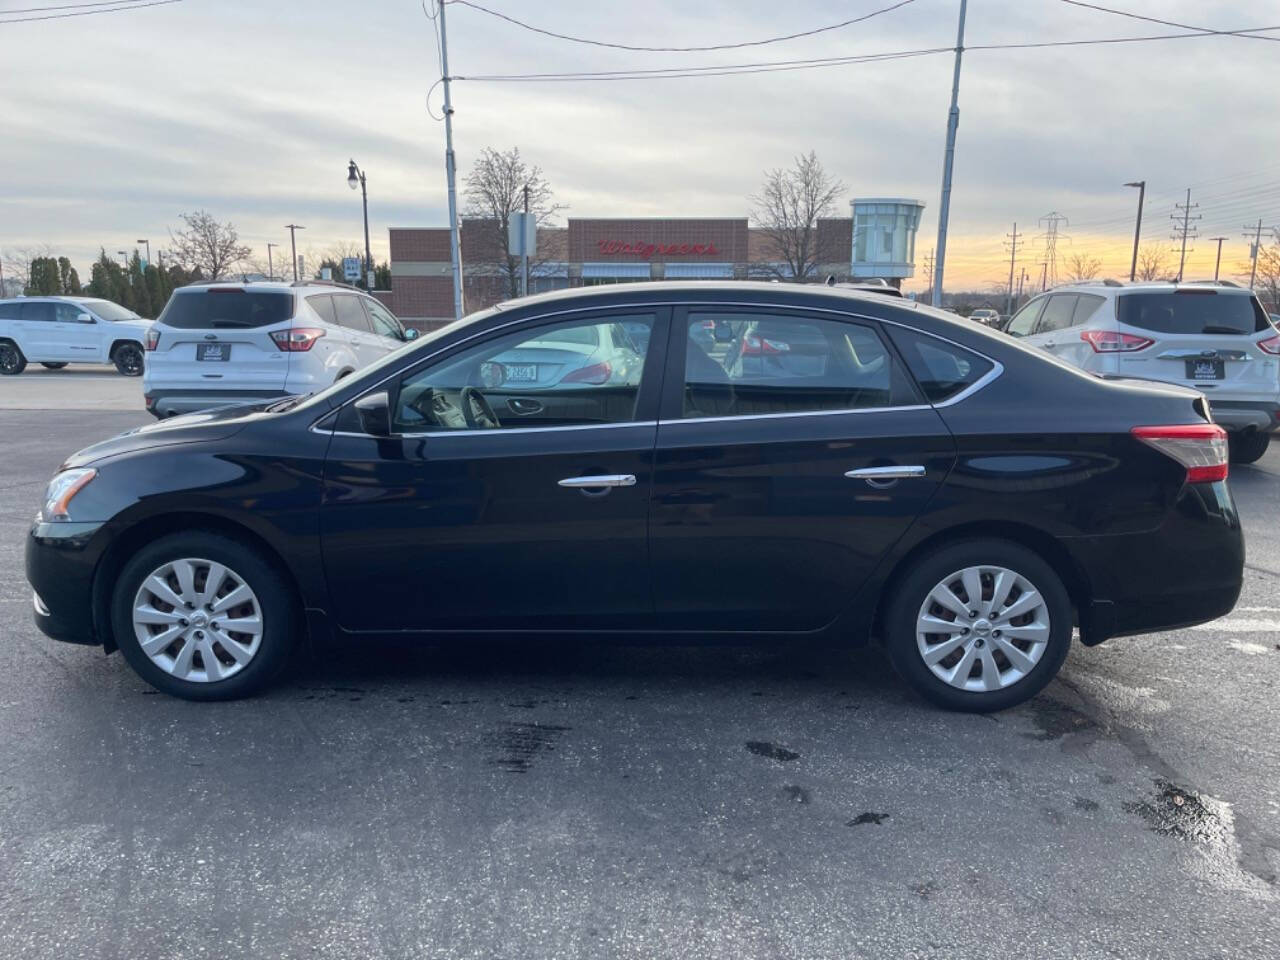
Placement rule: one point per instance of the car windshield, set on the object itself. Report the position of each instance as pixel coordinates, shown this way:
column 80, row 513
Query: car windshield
column 111, row 311
column 225, row 307
column 1192, row 311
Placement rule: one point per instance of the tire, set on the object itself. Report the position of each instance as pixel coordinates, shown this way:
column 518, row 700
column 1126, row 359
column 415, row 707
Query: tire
column 1016, row 678
column 53, row 366
column 12, row 362
column 128, row 358
column 182, row 673
column 1248, row 447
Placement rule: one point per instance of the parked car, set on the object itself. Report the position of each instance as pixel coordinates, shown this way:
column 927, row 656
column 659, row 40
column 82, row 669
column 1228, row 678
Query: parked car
column 930, row 485
column 1212, row 337
column 986, row 317
column 254, row 342
column 56, row 331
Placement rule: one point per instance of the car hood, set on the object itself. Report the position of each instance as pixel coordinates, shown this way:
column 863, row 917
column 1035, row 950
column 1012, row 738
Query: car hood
column 215, row 424
column 137, row 328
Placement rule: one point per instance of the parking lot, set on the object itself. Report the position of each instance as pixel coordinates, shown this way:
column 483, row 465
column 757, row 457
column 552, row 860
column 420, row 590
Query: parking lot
column 577, row 800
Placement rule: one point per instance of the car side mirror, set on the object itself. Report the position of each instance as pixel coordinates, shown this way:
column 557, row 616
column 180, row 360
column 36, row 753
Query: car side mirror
column 410, row 334
column 374, row 411
column 85, row 318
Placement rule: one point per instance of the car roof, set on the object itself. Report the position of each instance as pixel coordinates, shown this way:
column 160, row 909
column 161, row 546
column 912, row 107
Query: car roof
column 1107, row 287
column 272, row 286
column 754, row 291
column 52, row 296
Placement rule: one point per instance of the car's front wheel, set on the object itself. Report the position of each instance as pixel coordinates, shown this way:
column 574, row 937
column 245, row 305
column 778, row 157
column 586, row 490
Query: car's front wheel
column 12, row 362
column 979, row 625
column 1248, row 447
column 202, row 616
column 128, row 359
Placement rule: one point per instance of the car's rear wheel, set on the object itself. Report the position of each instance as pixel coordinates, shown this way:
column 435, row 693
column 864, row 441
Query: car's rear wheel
column 128, row 359
column 12, row 362
column 1248, row 447
column 53, row 366
column 979, row 625
column 202, row 616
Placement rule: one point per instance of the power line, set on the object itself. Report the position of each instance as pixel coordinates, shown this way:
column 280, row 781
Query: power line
column 703, row 49
column 1163, row 23
column 85, row 13
column 66, row 6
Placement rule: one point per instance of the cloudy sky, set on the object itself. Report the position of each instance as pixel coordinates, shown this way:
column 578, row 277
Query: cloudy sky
column 112, row 125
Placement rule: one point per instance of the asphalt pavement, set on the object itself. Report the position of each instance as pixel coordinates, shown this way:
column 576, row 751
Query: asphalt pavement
column 538, row 801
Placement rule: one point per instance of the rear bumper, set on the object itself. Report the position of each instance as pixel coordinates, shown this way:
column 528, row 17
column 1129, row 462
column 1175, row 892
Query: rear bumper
column 170, row 403
column 1187, row 571
column 1236, row 415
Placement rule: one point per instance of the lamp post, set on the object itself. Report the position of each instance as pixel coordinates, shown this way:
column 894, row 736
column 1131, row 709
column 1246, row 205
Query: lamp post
column 148, row 243
column 1137, row 230
column 293, row 245
column 124, row 259
column 355, row 177
column 271, row 271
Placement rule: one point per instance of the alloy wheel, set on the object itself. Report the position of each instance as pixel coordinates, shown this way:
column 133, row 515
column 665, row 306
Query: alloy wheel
column 197, row 620
column 10, row 359
column 983, row 628
column 129, row 360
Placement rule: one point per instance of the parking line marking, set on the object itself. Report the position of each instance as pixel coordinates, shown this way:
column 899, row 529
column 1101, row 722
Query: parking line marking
column 1240, row 625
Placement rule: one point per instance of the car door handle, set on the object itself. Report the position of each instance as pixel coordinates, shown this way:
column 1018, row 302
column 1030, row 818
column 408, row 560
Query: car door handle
column 605, row 480
column 879, row 474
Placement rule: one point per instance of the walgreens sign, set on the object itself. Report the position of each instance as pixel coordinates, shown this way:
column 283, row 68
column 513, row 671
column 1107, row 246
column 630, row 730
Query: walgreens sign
column 650, row 250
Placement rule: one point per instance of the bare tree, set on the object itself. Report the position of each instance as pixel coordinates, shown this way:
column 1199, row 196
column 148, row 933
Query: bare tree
column 1081, row 266
column 495, row 189
column 1153, row 262
column 207, row 245
column 17, row 264
column 1266, row 280
column 788, row 208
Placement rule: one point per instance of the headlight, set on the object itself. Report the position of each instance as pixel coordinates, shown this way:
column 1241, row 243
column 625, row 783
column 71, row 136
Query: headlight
column 62, row 488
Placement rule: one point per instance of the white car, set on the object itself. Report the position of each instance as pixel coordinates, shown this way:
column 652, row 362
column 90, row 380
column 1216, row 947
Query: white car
column 233, row 342
column 985, row 316
column 1212, row 337
column 56, row 331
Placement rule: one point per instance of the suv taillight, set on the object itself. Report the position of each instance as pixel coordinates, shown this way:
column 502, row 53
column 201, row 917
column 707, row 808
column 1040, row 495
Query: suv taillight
column 152, row 338
column 1112, row 341
column 1200, row 447
column 297, row 339
column 1270, row 345
column 754, row 345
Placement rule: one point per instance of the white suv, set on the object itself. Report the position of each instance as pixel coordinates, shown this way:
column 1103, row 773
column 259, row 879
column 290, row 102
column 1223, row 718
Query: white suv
column 1212, row 337
column 228, row 342
column 55, row 331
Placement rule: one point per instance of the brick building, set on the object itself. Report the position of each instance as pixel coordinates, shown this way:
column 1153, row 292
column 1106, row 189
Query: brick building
column 590, row 251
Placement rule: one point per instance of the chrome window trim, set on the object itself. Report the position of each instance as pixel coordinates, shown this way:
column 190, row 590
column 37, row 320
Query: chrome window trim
column 996, row 370
column 799, row 413
column 487, row 432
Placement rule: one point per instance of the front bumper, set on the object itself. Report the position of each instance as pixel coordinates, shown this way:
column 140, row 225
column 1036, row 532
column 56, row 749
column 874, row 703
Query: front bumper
column 60, row 561
column 1237, row 415
column 172, row 402
column 1187, row 571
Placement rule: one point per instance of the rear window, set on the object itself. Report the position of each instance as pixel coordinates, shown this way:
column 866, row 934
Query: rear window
column 1192, row 311
column 9, row 311
column 226, row 308
column 942, row 369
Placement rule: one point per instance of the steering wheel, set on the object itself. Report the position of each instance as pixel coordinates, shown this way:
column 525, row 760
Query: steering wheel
column 476, row 410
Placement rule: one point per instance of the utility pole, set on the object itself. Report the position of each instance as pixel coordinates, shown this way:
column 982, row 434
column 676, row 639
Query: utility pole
column 524, row 249
column 1137, row 230
column 1013, row 258
column 1182, row 233
column 953, row 122
column 271, row 272
column 928, row 272
column 450, row 169
column 1044, row 276
column 1053, row 222
column 1256, row 243
column 1218, row 263
column 1021, row 280
column 293, row 245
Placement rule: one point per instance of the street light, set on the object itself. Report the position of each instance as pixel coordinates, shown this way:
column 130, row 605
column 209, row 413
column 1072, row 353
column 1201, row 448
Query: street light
column 355, row 178
column 1137, row 231
column 271, row 273
column 124, row 258
column 148, row 243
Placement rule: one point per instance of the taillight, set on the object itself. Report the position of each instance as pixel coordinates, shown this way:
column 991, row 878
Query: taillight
column 152, row 338
column 297, row 339
column 596, row 374
column 1112, row 341
column 1270, row 345
column 756, row 345
column 1200, row 447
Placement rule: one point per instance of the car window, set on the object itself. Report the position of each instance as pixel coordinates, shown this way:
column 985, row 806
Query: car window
column 1192, row 311
column 38, row 312
column 9, row 311
column 1086, row 305
column 751, row 364
column 942, row 369
column 220, row 308
column 566, row 374
column 1057, row 313
column 109, row 311
column 384, row 324
column 1024, row 320
column 349, row 312
column 67, row 312
column 322, row 304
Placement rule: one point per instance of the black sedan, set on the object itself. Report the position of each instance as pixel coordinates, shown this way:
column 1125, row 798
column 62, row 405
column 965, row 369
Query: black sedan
column 876, row 471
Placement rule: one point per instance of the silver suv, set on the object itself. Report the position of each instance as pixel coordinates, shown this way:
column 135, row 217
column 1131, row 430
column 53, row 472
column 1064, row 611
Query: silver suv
column 1212, row 337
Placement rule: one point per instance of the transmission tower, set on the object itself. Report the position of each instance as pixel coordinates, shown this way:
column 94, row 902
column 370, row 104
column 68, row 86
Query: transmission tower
column 1052, row 236
column 1012, row 244
column 928, row 272
column 1184, row 229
